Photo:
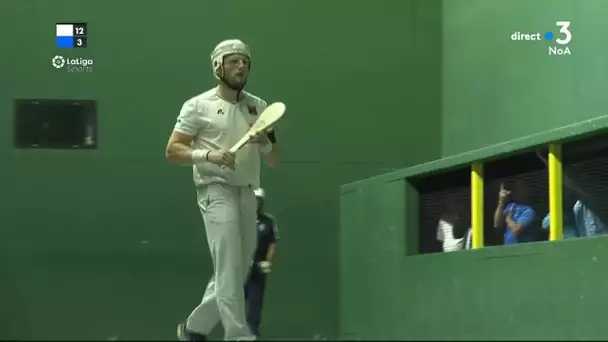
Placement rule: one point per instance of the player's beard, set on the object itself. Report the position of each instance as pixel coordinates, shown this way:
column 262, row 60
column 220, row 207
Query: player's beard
column 234, row 85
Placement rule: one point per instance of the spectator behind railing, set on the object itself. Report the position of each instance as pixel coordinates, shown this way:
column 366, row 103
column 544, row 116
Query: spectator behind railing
column 586, row 223
column 515, row 216
column 570, row 230
column 453, row 222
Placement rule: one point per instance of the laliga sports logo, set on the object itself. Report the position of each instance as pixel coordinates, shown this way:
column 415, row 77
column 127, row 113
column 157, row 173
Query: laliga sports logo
column 58, row 62
column 74, row 65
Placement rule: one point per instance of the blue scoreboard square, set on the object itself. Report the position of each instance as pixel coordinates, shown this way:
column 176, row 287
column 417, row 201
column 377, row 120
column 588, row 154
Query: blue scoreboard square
column 65, row 42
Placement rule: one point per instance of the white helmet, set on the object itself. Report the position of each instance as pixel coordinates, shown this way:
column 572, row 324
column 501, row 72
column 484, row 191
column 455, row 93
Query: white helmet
column 224, row 48
column 259, row 193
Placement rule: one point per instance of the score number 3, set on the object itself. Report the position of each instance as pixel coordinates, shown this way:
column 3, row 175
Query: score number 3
column 564, row 29
column 79, row 42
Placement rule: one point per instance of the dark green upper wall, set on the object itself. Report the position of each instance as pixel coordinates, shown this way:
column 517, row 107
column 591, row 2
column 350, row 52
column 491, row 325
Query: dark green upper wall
column 118, row 227
column 368, row 71
column 491, row 84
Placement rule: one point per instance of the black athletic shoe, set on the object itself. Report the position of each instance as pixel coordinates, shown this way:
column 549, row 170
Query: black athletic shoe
column 184, row 334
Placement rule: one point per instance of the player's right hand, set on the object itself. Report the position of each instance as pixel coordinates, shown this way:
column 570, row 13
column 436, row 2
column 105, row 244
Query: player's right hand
column 222, row 158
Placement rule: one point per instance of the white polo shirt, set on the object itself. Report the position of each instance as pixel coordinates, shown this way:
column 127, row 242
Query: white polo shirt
column 445, row 234
column 218, row 124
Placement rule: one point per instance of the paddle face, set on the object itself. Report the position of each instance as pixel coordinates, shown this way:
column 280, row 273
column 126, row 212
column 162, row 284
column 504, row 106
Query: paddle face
column 269, row 117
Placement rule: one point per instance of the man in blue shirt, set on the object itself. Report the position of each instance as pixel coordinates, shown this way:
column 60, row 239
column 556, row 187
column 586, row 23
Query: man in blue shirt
column 515, row 217
column 262, row 264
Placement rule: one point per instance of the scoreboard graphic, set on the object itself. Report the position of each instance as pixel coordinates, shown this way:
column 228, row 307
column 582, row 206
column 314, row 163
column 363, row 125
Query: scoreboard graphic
column 71, row 35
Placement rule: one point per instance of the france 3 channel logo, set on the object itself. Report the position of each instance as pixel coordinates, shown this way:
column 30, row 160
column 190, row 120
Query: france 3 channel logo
column 560, row 40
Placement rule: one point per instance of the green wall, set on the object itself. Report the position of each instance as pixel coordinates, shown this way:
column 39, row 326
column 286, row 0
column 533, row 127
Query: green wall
column 373, row 249
column 491, row 84
column 498, row 96
column 528, row 292
column 109, row 243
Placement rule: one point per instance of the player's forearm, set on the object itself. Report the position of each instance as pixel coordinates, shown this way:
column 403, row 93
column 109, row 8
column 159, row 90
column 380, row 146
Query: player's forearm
column 182, row 154
column 515, row 228
column 498, row 215
column 179, row 153
column 270, row 253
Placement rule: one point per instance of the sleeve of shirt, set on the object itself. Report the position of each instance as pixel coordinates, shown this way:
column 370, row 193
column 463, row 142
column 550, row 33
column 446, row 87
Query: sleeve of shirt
column 546, row 222
column 274, row 232
column 527, row 217
column 508, row 208
column 189, row 121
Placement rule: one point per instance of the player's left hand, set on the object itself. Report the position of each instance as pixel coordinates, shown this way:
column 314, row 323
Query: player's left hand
column 259, row 138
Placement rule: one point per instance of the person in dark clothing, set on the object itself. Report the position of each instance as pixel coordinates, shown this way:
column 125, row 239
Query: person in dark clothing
column 261, row 266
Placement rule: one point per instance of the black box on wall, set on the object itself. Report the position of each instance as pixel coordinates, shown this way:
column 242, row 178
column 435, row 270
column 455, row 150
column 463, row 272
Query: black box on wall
column 55, row 124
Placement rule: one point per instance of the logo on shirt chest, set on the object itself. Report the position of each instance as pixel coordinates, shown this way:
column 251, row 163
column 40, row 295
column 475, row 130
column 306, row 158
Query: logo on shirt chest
column 220, row 111
column 252, row 110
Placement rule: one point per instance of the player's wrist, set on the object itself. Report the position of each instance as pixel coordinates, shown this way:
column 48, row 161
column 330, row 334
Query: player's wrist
column 266, row 148
column 200, row 156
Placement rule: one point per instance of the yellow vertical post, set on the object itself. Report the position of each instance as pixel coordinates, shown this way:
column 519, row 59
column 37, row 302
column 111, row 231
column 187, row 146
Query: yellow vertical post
column 477, row 204
column 556, row 231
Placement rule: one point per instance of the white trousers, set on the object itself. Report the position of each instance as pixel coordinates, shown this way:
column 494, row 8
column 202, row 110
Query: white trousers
column 229, row 214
